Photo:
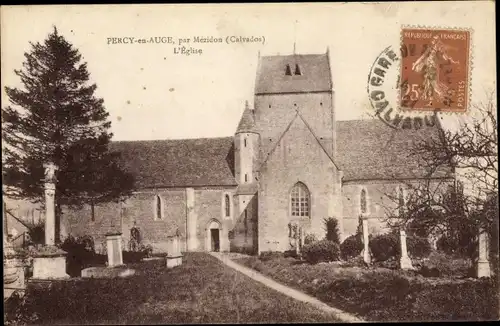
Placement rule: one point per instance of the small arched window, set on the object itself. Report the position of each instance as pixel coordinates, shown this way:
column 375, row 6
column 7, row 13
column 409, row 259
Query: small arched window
column 299, row 200
column 158, row 208
column 288, row 70
column 227, row 205
column 363, row 207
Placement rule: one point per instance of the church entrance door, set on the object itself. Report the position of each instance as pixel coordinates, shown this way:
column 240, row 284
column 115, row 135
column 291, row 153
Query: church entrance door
column 215, row 240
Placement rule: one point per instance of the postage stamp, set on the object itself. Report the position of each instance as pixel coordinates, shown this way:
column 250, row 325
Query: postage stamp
column 435, row 69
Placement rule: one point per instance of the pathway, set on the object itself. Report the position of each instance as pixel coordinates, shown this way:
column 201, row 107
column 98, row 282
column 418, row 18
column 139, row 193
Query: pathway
column 297, row 295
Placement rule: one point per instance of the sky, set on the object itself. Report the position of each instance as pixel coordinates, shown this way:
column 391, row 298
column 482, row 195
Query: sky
column 153, row 93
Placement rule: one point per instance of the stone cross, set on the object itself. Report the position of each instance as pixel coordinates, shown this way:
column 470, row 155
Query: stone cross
column 366, row 240
column 50, row 190
column 404, row 260
column 483, row 265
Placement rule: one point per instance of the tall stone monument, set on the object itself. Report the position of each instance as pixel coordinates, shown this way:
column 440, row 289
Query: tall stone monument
column 404, row 260
column 366, row 240
column 483, row 264
column 49, row 262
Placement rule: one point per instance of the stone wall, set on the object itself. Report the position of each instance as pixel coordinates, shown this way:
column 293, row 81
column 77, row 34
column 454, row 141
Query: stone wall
column 297, row 158
column 274, row 112
column 379, row 203
column 140, row 211
column 244, row 236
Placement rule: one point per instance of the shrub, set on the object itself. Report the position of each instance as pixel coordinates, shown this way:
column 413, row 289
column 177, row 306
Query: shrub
column 310, row 238
column 131, row 257
column 351, row 247
column 270, row 255
column 332, row 230
column 290, row 253
column 36, row 233
column 147, row 250
column 457, row 246
column 384, row 246
column 321, row 251
column 418, row 247
column 80, row 254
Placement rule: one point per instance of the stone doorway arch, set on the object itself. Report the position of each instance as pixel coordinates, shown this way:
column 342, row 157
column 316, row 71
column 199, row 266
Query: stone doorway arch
column 213, row 235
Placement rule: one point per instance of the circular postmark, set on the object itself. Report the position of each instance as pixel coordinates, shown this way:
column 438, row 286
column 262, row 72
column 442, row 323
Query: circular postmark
column 384, row 89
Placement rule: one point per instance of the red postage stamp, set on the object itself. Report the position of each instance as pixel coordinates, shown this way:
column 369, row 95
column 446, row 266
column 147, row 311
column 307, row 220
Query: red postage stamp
column 435, row 73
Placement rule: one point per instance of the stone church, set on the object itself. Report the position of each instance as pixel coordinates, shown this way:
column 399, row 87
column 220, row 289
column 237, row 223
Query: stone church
column 289, row 160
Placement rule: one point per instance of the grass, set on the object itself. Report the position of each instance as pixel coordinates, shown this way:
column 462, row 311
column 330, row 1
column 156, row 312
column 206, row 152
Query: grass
column 202, row 290
column 382, row 294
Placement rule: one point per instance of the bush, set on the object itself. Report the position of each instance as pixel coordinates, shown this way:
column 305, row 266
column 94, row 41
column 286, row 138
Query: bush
column 270, row 255
column 36, row 233
column 321, row 251
column 351, row 247
column 147, row 250
column 332, row 230
column 418, row 247
column 384, row 246
column 81, row 254
column 310, row 238
column 457, row 246
column 131, row 257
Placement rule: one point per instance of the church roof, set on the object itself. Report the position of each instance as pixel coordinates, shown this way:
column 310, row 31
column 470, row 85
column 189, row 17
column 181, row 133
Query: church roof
column 366, row 150
column 247, row 122
column 277, row 74
column 369, row 149
column 179, row 162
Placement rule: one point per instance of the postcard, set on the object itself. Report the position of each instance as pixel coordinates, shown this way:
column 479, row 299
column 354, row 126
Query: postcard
column 249, row 163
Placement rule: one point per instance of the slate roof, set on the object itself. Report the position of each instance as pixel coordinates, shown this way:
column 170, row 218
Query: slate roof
column 247, row 122
column 179, row 162
column 315, row 74
column 369, row 149
column 366, row 150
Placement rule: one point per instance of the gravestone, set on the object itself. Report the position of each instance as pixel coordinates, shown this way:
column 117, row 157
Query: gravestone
column 366, row 241
column 174, row 255
column 114, row 249
column 404, row 260
column 483, row 264
column 14, row 271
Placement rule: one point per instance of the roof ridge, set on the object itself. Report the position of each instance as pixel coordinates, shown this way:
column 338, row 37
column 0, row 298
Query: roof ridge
column 278, row 141
column 285, row 131
column 292, row 54
column 168, row 139
column 315, row 137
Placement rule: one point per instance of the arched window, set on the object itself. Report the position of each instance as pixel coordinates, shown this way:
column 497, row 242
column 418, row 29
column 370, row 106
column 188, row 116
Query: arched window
column 288, row 70
column 363, row 207
column 299, row 200
column 227, row 205
column 158, row 208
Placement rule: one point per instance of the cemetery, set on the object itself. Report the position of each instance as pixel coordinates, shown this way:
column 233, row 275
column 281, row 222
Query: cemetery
column 382, row 278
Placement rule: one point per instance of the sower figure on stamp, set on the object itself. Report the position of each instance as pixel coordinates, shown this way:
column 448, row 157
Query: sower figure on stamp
column 428, row 64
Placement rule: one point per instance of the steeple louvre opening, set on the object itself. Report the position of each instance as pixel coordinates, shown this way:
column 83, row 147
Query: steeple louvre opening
column 297, row 70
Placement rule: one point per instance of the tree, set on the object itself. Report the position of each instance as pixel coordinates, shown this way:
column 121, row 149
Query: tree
column 332, row 230
column 461, row 207
column 57, row 118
